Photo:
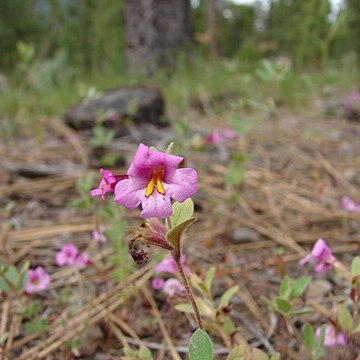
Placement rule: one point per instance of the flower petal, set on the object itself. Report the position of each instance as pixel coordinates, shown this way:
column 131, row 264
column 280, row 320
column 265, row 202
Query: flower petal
column 129, row 193
column 156, row 206
column 184, row 184
column 146, row 160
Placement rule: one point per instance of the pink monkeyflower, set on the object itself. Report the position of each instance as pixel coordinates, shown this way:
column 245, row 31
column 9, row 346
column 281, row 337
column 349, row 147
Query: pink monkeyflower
column 173, row 287
column 154, row 180
column 354, row 96
column 320, row 254
column 81, row 260
column 214, row 137
column 229, row 134
column 157, row 283
column 349, row 205
column 98, row 235
column 168, row 265
column 37, row 280
column 67, row 255
column 332, row 336
column 107, row 183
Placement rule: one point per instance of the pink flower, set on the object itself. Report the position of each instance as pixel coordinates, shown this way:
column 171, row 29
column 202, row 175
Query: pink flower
column 81, row 260
column 168, row 265
column 173, row 287
column 349, row 204
column 229, row 134
column 214, row 137
column 107, row 183
column 67, row 255
column 320, row 254
column 37, row 280
column 98, row 235
column 153, row 181
column 157, row 283
column 332, row 336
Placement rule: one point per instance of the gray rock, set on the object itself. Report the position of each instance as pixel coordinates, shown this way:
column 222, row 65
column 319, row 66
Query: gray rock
column 244, row 234
column 138, row 103
column 318, row 288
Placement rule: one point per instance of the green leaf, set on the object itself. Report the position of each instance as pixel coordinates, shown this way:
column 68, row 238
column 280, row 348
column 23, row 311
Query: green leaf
column 300, row 312
column 309, row 336
column 355, row 266
column 259, row 355
column 174, row 235
column 321, row 338
column 145, row 353
column 209, row 278
column 226, row 297
column 12, row 274
column 357, row 328
column 182, row 211
column 240, row 352
column 300, row 286
column 200, row 346
column 285, row 288
column 3, row 285
column 36, row 325
column 186, row 308
column 344, row 317
column 276, row 356
column 4, row 337
column 283, row 305
column 129, row 352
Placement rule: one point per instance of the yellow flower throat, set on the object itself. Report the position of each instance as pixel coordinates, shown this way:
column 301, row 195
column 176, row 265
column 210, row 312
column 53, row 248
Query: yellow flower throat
column 155, row 181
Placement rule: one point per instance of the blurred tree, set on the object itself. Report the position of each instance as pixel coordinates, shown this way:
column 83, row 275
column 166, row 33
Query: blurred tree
column 19, row 21
column 154, row 31
column 298, row 28
column 354, row 24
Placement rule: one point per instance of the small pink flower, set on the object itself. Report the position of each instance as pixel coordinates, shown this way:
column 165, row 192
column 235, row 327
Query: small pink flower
column 320, row 254
column 81, row 260
column 107, row 183
column 332, row 336
column 214, row 137
column 154, row 180
column 98, row 235
column 349, row 205
column 229, row 134
column 157, row 283
column 168, row 265
column 67, row 255
column 173, row 287
column 37, row 280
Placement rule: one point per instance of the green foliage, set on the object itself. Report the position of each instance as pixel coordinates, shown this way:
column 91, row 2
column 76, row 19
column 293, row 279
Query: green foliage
column 355, row 266
column 345, row 318
column 142, row 354
column 12, row 279
column 315, row 344
column 83, row 185
column 182, row 211
column 174, row 235
column 200, row 346
column 36, row 325
column 289, row 293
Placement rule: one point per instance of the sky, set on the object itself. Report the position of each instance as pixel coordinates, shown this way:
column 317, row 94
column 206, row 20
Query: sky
column 335, row 3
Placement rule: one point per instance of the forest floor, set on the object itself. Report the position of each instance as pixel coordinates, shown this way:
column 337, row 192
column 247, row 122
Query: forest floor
column 297, row 169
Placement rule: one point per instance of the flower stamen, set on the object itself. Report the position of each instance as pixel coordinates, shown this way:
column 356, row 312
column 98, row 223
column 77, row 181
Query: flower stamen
column 155, row 180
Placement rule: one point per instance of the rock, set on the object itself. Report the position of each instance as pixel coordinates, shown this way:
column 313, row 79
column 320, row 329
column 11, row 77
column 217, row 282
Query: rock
column 91, row 339
column 244, row 234
column 318, row 288
column 138, row 103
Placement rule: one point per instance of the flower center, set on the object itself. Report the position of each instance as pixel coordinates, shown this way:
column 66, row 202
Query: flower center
column 155, row 181
column 35, row 281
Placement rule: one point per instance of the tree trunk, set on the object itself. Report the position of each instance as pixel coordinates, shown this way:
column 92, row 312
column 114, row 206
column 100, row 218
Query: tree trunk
column 154, row 31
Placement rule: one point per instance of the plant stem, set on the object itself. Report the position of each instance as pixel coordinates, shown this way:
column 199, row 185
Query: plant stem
column 185, row 281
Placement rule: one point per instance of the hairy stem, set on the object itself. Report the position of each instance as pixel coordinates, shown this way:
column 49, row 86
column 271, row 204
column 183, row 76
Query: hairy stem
column 185, row 281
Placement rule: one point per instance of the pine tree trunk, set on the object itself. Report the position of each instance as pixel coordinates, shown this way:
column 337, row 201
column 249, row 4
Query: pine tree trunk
column 155, row 29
